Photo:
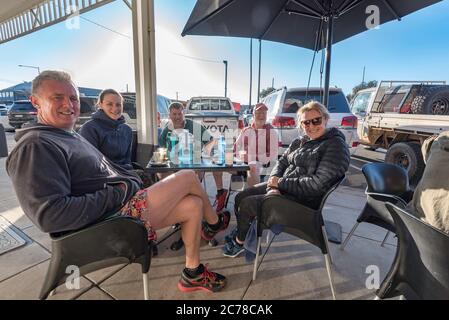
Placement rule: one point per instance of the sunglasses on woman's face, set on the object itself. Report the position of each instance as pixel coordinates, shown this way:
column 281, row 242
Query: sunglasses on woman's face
column 314, row 121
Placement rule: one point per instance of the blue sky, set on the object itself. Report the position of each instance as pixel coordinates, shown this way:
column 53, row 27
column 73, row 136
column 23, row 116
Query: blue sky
column 416, row 48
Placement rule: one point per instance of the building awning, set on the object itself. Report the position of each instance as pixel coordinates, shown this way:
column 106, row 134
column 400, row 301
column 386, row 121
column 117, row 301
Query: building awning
column 22, row 17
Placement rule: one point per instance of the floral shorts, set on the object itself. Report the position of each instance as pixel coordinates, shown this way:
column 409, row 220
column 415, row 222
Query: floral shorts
column 136, row 207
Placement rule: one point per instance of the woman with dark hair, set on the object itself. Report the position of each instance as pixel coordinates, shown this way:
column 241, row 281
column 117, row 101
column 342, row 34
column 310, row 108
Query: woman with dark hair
column 107, row 130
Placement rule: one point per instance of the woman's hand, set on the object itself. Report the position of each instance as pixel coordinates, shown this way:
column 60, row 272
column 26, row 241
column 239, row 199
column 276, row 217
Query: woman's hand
column 273, row 182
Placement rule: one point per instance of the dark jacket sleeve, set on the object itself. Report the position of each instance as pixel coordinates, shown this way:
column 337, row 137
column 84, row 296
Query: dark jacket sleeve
column 332, row 166
column 41, row 177
column 89, row 132
column 282, row 163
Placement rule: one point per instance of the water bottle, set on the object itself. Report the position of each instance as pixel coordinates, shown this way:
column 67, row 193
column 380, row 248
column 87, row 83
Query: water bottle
column 221, row 150
column 196, row 152
column 190, row 146
column 174, row 150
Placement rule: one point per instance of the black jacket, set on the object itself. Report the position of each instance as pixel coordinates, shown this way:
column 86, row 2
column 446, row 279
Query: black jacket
column 63, row 182
column 112, row 137
column 308, row 168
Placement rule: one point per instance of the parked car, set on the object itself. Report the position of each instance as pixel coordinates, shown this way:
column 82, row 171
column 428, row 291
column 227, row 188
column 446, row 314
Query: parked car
column 284, row 103
column 129, row 109
column 21, row 111
column 3, row 109
column 130, row 113
column 247, row 116
column 398, row 116
column 216, row 114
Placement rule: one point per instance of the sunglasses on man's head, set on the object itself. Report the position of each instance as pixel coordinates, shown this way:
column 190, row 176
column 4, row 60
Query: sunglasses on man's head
column 315, row 121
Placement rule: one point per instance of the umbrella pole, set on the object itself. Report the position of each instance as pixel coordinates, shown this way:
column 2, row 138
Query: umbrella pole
column 250, row 69
column 329, row 40
column 258, row 81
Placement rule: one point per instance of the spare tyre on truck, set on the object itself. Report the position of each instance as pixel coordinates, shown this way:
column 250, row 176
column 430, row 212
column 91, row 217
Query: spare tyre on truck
column 431, row 100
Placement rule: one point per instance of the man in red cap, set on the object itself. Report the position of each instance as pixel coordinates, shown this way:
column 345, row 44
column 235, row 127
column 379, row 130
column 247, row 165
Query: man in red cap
column 258, row 144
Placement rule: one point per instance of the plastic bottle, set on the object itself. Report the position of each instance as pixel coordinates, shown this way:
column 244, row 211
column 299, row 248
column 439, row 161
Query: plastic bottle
column 221, row 150
column 174, row 150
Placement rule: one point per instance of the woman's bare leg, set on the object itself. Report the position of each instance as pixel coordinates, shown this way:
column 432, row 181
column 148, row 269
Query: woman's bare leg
column 189, row 213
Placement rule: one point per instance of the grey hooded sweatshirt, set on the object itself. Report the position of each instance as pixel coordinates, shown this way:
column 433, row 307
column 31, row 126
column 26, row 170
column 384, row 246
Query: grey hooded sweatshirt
column 63, row 182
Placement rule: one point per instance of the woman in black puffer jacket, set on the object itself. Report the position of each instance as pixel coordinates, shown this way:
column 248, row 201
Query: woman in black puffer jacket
column 304, row 173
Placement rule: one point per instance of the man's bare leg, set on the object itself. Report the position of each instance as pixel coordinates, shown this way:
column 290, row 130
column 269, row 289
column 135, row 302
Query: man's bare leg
column 166, row 194
column 189, row 213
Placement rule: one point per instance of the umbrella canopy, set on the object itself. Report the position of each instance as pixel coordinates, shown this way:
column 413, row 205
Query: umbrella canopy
column 312, row 24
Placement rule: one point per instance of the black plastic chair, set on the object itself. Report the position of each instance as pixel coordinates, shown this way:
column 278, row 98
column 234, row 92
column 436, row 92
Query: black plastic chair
column 385, row 183
column 117, row 240
column 295, row 220
column 421, row 266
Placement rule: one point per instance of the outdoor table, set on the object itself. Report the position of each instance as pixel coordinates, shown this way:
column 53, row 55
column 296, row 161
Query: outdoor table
column 333, row 229
column 206, row 165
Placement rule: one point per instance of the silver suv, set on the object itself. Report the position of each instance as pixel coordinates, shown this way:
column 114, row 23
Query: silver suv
column 284, row 103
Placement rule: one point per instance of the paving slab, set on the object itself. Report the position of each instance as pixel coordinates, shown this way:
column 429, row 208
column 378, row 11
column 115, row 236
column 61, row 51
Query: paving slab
column 165, row 272
column 39, row 237
column 27, row 285
column 99, row 276
column 16, row 216
column 347, row 217
column 94, row 294
column 294, row 269
column 13, row 262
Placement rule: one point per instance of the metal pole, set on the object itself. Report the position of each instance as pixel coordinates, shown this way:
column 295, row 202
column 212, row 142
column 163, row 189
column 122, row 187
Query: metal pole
column 272, row 83
column 250, row 69
column 330, row 36
column 363, row 78
column 258, row 81
column 226, row 77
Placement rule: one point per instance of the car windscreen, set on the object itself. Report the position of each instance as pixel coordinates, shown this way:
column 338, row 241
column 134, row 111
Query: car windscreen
column 209, row 105
column 22, row 106
column 360, row 103
column 295, row 100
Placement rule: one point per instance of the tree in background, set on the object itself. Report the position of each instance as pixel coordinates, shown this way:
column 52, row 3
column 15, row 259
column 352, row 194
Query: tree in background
column 266, row 92
column 361, row 86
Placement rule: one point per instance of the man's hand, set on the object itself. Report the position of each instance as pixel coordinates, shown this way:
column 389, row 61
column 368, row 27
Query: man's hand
column 273, row 182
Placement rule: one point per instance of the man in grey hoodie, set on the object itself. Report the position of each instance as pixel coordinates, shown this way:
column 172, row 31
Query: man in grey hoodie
column 64, row 183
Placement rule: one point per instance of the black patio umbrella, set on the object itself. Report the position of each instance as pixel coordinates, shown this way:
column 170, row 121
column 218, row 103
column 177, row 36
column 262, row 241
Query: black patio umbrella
column 312, row 24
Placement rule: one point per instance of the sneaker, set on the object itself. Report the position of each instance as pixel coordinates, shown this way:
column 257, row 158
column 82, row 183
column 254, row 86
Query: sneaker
column 207, row 281
column 207, row 233
column 220, row 200
column 232, row 249
column 231, row 236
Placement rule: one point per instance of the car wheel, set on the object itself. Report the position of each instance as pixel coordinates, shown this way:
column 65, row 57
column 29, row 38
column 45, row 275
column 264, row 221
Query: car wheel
column 408, row 156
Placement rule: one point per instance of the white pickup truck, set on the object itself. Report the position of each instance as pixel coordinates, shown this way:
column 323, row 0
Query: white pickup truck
column 216, row 114
column 398, row 116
